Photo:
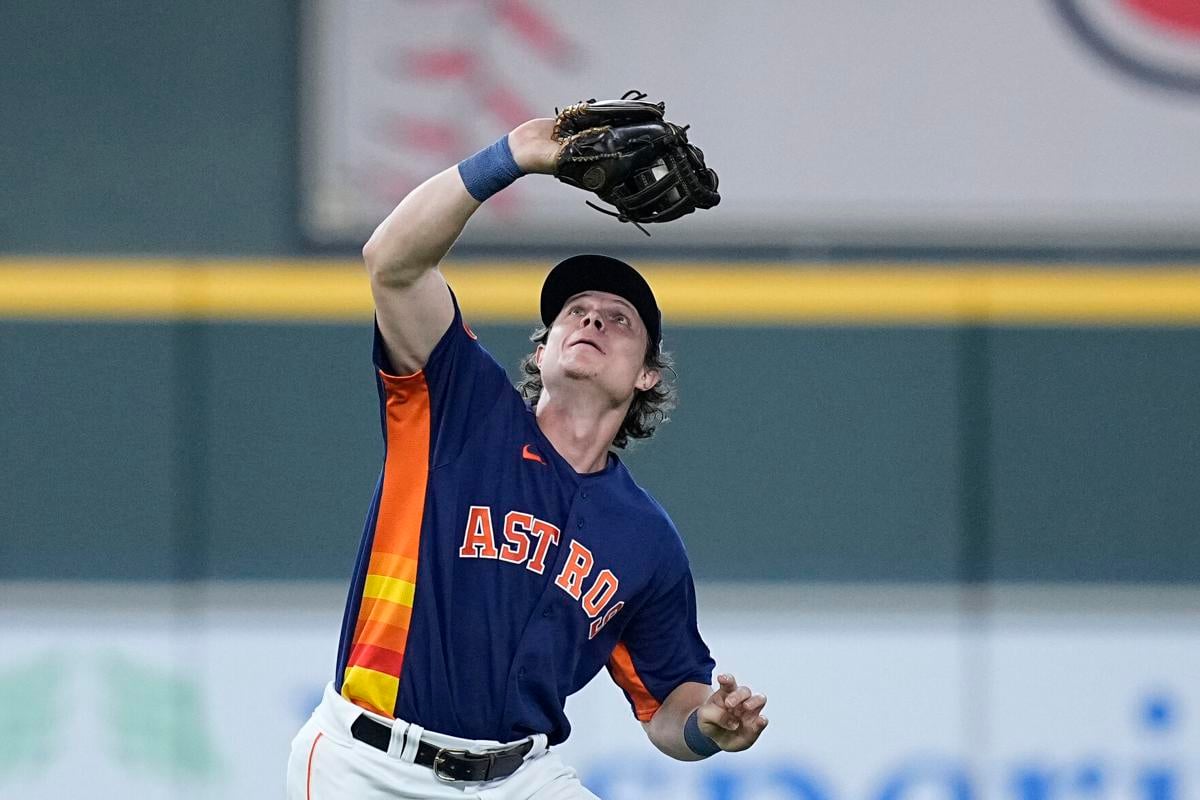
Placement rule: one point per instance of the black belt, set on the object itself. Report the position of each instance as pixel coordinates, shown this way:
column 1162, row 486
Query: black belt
column 447, row 764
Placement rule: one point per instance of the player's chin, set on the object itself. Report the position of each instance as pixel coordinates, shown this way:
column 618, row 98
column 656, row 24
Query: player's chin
column 605, row 382
column 580, row 372
column 582, row 363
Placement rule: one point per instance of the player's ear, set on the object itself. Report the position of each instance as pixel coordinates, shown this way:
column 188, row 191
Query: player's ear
column 537, row 355
column 647, row 379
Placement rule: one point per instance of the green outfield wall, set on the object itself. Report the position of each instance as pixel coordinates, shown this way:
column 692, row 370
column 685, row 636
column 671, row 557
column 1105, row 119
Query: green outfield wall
column 202, row 442
column 148, row 127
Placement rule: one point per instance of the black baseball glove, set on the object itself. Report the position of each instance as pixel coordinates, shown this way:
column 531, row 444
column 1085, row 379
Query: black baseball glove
column 630, row 157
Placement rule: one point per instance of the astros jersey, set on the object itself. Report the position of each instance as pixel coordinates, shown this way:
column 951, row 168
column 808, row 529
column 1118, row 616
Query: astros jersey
column 492, row 580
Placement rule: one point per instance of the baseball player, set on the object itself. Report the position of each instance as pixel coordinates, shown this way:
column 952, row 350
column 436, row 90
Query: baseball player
column 508, row 555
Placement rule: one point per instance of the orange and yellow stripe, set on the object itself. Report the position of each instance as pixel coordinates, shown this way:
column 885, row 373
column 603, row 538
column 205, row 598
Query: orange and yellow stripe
column 372, row 676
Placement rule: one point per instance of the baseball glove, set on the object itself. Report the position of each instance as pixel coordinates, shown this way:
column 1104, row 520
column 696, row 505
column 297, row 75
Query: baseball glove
column 633, row 159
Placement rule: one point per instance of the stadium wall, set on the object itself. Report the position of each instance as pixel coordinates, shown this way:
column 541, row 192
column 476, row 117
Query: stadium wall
column 149, row 127
column 218, row 420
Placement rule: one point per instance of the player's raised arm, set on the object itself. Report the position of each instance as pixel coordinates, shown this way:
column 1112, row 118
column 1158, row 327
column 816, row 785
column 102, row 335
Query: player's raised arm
column 412, row 303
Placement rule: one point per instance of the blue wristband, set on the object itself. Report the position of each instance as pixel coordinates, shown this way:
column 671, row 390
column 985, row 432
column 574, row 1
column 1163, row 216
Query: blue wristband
column 489, row 170
column 696, row 741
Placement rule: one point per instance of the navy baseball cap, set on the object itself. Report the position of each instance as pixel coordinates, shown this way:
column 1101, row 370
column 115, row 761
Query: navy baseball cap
column 595, row 273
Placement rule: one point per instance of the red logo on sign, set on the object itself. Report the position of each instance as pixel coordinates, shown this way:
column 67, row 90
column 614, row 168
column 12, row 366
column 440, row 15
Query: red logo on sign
column 1155, row 41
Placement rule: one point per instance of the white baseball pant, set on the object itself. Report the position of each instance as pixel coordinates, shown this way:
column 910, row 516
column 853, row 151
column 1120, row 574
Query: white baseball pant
column 327, row 763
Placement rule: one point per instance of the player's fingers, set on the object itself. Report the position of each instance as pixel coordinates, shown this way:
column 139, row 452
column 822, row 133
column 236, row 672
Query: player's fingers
column 725, row 685
column 720, row 716
column 758, row 724
column 751, row 706
column 738, row 696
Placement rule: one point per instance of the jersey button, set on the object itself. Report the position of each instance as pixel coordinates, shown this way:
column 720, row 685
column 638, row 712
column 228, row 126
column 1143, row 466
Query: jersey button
column 547, row 612
column 521, row 672
column 583, row 495
column 579, row 524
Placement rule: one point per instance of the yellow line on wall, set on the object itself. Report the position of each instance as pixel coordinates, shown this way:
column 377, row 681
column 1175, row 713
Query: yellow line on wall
column 691, row 293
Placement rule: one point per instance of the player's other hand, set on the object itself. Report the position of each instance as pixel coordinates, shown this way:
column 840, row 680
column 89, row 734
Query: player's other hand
column 534, row 147
column 732, row 716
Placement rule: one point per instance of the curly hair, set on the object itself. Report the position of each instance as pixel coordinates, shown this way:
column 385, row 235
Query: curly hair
column 648, row 409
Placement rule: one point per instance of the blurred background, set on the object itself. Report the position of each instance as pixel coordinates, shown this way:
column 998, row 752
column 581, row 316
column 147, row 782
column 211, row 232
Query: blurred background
column 936, row 460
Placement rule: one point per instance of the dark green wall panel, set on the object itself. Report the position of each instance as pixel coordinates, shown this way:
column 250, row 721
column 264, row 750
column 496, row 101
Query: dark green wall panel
column 814, row 453
column 140, row 126
column 177, row 451
column 293, row 448
column 89, row 451
column 1096, row 454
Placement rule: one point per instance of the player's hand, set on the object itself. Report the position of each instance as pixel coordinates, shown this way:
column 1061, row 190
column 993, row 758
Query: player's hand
column 731, row 716
column 534, row 147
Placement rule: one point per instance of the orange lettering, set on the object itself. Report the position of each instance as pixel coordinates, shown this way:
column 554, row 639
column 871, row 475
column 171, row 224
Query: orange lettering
column 516, row 531
column 547, row 534
column 598, row 624
column 478, row 541
column 577, row 567
column 601, row 592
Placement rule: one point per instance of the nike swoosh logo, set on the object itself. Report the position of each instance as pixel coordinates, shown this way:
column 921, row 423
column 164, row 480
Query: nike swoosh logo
column 529, row 455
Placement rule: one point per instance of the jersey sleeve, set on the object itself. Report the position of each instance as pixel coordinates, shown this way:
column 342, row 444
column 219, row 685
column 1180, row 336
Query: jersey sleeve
column 660, row 649
column 460, row 381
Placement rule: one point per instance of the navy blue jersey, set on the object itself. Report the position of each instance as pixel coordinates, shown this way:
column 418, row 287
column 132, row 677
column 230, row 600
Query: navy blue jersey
column 492, row 580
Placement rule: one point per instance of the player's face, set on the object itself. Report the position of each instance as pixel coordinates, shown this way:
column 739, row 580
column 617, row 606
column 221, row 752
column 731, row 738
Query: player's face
column 597, row 337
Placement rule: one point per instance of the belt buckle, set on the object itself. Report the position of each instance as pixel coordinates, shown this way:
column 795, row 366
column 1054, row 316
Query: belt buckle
column 443, row 753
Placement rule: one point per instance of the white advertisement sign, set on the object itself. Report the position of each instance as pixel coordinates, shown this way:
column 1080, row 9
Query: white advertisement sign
column 1029, row 121
column 144, row 697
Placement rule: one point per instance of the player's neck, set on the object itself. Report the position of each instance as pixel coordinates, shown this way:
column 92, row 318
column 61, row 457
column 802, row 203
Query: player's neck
column 580, row 431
